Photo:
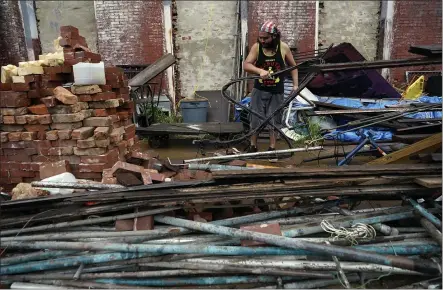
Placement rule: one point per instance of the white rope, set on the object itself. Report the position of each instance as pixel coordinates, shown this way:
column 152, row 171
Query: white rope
column 357, row 231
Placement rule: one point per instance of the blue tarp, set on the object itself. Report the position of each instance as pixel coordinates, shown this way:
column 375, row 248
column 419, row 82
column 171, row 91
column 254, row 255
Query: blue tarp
column 380, row 134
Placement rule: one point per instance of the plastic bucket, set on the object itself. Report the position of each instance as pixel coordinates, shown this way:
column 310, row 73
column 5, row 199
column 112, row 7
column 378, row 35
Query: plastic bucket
column 194, row 111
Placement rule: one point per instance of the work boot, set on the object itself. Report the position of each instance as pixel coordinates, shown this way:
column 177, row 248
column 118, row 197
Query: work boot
column 275, row 159
column 251, row 149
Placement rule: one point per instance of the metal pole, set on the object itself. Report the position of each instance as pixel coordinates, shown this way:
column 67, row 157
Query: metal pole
column 98, row 186
column 407, row 248
column 304, row 265
column 88, row 221
column 431, row 229
column 255, row 154
column 237, row 269
column 426, row 214
column 217, row 280
column 34, row 257
column 425, row 266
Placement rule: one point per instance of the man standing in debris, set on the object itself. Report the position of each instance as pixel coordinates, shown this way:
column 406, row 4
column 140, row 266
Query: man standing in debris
column 268, row 55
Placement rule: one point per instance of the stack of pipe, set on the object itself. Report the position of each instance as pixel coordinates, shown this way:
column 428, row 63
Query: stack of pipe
column 181, row 253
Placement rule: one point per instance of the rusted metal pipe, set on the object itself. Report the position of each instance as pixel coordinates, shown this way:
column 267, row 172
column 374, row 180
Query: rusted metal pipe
column 91, row 221
column 424, row 266
column 255, row 154
column 75, row 185
column 431, row 229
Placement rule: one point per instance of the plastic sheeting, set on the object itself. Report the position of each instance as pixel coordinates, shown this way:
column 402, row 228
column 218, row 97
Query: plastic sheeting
column 379, row 134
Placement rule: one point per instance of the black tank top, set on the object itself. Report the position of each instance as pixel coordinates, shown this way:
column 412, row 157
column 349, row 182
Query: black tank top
column 273, row 64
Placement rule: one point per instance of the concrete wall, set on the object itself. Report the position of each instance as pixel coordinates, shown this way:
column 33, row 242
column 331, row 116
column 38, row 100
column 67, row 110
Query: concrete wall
column 53, row 14
column 205, row 43
column 12, row 37
column 356, row 22
column 296, row 20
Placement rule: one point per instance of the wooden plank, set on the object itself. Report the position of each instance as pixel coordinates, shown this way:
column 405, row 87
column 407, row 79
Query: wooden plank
column 152, row 71
column 428, row 145
column 193, row 129
column 429, row 182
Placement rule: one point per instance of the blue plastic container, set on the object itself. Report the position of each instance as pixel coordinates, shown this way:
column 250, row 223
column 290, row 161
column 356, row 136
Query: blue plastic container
column 195, row 111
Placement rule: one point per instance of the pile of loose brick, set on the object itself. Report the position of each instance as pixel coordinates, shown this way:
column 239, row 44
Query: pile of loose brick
column 89, row 128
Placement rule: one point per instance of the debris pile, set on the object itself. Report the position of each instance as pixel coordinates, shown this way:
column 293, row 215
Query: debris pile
column 46, row 118
column 262, row 227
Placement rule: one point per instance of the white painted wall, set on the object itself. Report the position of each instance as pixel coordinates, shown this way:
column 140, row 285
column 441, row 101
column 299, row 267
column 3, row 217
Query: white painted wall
column 350, row 21
column 206, row 44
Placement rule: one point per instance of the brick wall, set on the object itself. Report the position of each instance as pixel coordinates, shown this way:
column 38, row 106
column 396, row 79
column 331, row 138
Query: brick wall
column 12, row 37
column 415, row 23
column 296, row 20
column 130, row 32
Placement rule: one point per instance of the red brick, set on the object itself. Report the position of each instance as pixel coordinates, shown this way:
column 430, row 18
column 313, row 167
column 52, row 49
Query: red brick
column 30, row 166
column 4, row 137
column 96, row 167
column 18, row 87
column 272, row 229
column 103, row 96
column 36, row 128
column 11, row 99
column 72, row 159
column 18, row 158
column 69, row 31
column 12, row 128
column 5, row 87
column 49, row 101
column 28, row 136
column 64, row 134
column 84, row 98
column 111, row 157
column 89, row 151
column 38, row 119
column 14, row 145
column 14, row 136
column 49, row 169
column 82, row 133
column 124, row 225
column 38, row 144
column 58, row 151
column 64, row 143
column 87, row 54
column 106, row 88
column 51, row 135
column 9, row 120
column 38, row 109
column 144, row 223
column 86, row 143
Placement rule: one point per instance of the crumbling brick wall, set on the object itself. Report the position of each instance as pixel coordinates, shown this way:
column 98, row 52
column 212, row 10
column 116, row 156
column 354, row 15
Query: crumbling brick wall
column 296, row 20
column 12, row 36
column 130, row 33
column 415, row 23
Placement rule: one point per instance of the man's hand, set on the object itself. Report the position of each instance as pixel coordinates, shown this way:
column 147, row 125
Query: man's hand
column 294, row 88
column 264, row 74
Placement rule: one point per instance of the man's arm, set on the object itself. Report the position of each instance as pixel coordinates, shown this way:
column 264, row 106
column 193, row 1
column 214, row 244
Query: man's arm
column 291, row 62
column 248, row 64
